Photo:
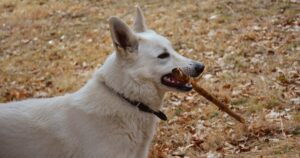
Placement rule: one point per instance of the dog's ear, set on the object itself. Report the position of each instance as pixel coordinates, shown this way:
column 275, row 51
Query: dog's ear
column 139, row 23
column 122, row 36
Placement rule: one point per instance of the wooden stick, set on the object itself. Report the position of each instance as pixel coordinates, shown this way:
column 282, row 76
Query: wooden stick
column 178, row 73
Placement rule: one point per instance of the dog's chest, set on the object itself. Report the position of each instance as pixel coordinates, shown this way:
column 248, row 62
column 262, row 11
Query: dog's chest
column 115, row 131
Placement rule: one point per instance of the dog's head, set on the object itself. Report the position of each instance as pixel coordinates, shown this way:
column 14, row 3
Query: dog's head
column 149, row 57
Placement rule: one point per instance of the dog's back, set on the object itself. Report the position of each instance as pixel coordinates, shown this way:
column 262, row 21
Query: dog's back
column 26, row 129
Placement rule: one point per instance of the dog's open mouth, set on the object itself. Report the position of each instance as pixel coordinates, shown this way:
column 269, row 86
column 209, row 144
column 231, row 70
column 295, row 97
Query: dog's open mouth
column 171, row 81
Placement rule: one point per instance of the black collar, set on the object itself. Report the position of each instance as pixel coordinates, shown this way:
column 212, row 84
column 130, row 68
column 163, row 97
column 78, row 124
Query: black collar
column 142, row 107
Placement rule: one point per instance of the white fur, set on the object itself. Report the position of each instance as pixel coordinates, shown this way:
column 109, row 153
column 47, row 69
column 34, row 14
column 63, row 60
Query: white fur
column 95, row 122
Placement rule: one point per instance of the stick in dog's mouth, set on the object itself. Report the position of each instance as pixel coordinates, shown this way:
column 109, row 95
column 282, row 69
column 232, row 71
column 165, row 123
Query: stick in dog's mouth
column 181, row 76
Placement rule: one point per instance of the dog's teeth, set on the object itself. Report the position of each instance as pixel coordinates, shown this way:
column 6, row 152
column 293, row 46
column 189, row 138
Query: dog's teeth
column 188, row 85
column 167, row 79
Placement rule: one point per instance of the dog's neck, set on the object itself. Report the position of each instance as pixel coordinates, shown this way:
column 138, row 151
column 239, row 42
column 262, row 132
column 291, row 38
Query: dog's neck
column 140, row 105
column 122, row 83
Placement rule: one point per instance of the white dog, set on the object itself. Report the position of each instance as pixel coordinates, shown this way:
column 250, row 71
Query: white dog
column 114, row 115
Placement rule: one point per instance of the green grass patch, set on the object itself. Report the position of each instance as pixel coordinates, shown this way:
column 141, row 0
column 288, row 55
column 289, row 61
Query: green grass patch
column 296, row 130
column 214, row 114
column 255, row 108
column 296, row 116
column 252, row 104
column 239, row 101
column 178, row 111
column 272, row 102
column 282, row 150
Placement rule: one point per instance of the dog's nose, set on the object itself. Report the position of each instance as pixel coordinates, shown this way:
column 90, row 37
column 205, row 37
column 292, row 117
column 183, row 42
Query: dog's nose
column 199, row 67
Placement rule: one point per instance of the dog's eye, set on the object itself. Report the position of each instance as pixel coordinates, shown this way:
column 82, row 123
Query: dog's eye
column 163, row 55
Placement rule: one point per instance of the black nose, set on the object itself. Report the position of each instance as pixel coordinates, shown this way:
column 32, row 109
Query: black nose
column 198, row 69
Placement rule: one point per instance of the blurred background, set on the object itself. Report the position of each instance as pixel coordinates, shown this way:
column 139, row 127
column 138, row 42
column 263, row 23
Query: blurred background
column 251, row 50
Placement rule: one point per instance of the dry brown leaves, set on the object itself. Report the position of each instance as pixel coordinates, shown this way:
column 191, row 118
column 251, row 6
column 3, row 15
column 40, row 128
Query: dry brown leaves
column 250, row 49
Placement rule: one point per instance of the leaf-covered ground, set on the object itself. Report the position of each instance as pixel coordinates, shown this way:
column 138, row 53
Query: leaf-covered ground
column 251, row 50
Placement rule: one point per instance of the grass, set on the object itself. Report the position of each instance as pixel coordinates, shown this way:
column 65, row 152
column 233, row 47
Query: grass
column 49, row 48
